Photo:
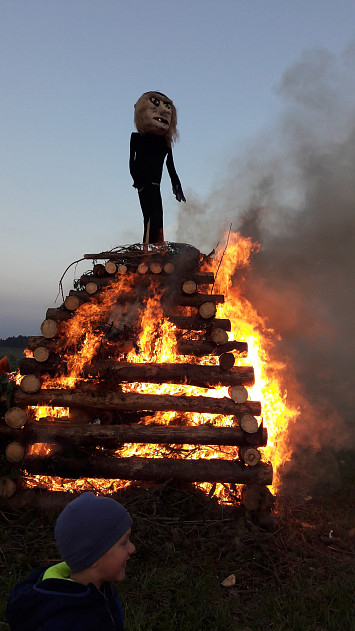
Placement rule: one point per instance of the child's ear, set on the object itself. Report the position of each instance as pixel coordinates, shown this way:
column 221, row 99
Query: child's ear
column 93, row 566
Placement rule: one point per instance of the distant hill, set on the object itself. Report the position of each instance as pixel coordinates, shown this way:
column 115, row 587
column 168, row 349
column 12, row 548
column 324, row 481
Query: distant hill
column 21, row 341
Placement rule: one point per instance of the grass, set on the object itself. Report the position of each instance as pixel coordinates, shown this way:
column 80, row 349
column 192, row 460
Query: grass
column 291, row 577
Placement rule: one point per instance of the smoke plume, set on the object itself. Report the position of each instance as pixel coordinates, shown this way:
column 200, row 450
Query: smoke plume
column 293, row 191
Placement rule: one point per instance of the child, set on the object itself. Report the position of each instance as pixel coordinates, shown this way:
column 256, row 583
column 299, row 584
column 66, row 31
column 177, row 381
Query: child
column 155, row 119
column 92, row 534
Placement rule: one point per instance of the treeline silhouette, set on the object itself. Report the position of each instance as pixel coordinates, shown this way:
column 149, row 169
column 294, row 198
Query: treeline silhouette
column 20, row 341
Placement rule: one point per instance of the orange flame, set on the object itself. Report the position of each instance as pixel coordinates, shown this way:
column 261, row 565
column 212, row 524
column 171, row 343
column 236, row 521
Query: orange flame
column 84, row 337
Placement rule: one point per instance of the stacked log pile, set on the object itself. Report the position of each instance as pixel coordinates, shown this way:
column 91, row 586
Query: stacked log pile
column 102, row 416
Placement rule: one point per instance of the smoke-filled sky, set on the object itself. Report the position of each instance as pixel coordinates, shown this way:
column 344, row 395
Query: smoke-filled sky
column 265, row 98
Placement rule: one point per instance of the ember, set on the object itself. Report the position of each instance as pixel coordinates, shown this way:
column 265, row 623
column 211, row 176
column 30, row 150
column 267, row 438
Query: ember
column 109, row 396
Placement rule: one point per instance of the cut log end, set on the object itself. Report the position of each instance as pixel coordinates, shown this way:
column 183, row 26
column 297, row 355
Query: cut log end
column 90, row 288
column 41, row 354
column 189, row 287
column 110, row 267
column 30, row 384
column 155, row 268
column 219, row 336
column 72, row 302
column 15, row 417
column 169, row 268
column 7, row 487
column 249, row 423
column 207, row 310
column 15, row 452
column 142, row 268
column 49, row 329
column 239, row 394
column 250, row 455
column 122, row 269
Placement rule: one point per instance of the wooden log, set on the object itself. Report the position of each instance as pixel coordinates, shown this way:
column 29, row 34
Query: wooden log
column 182, row 470
column 111, row 267
column 51, row 366
column 7, row 487
column 207, row 310
column 226, row 361
column 219, row 336
column 111, row 436
column 122, row 269
column 198, row 324
column 250, row 455
column 202, row 278
column 81, row 294
column 15, row 417
column 117, row 372
column 189, row 287
column 59, row 314
column 155, row 267
column 169, row 268
column 238, row 393
column 14, row 452
column 40, row 354
column 90, row 288
column 257, row 498
column 49, row 329
column 142, row 268
column 99, row 270
column 38, row 340
column 201, row 348
column 248, row 422
column 30, row 384
column 197, row 300
column 72, row 303
column 136, row 401
column 190, row 374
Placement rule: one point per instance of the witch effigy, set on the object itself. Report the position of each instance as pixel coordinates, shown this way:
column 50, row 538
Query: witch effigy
column 155, row 119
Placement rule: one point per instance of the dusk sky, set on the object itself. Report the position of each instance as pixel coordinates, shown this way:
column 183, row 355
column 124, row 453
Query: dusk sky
column 70, row 73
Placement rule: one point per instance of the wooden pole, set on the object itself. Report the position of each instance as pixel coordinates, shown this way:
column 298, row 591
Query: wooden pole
column 200, row 348
column 111, row 436
column 198, row 324
column 182, row 470
column 136, row 401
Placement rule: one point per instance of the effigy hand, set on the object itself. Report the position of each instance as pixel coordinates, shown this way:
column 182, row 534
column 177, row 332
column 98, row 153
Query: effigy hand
column 177, row 190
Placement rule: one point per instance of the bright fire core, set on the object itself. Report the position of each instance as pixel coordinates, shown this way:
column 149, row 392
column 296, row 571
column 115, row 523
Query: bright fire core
column 157, row 343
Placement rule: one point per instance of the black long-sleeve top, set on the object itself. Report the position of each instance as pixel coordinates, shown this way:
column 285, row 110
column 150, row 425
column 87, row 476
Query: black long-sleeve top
column 146, row 160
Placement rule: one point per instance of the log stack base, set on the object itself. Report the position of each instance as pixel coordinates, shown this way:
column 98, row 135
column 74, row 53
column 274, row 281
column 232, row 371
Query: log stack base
column 103, row 398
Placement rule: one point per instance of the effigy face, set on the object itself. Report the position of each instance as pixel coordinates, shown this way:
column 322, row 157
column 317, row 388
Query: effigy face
column 156, row 113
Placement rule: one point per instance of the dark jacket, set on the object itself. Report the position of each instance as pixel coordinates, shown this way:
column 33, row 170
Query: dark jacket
column 59, row 604
column 146, row 161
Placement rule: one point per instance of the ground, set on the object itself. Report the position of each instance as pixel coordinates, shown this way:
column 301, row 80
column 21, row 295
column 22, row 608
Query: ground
column 295, row 574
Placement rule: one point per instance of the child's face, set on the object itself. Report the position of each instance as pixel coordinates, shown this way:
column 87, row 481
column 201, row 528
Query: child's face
column 112, row 565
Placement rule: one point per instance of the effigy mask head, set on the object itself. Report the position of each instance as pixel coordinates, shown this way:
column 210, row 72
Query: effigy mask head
column 155, row 113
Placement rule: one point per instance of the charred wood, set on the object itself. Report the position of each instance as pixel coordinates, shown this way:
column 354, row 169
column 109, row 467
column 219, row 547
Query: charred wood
column 135, row 401
column 111, row 436
column 200, row 349
column 151, row 469
column 198, row 324
column 190, row 374
column 37, row 340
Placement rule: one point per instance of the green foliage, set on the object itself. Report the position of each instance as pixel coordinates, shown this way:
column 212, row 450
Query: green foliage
column 20, row 341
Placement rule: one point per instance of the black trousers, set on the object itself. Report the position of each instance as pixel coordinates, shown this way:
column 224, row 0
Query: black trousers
column 152, row 209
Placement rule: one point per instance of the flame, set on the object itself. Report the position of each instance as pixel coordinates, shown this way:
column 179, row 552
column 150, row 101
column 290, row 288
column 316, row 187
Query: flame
column 86, row 336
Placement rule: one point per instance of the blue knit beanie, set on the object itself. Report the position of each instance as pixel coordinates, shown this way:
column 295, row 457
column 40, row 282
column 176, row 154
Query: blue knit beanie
column 88, row 527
